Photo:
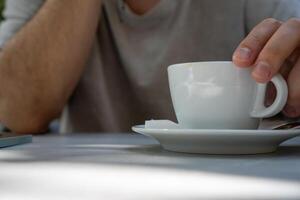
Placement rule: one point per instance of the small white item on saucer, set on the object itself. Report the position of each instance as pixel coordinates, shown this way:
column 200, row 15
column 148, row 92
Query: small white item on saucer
column 160, row 124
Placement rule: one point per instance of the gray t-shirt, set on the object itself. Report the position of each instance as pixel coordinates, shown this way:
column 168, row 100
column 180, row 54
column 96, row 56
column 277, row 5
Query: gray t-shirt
column 125, row 81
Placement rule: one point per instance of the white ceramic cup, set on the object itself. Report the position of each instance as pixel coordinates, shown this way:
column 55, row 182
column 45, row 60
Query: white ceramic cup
column 219, row 95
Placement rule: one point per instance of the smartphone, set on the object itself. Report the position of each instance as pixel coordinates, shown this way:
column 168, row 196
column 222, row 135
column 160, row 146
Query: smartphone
column 11, row 139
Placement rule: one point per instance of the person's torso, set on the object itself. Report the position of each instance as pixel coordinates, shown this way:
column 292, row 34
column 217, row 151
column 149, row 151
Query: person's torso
column 126, row 79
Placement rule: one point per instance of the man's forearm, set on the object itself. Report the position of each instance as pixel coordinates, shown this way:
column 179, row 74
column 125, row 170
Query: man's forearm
column 42, row 63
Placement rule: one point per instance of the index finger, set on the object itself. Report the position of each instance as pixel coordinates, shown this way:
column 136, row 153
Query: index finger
column 281, row 45
column 249, row 49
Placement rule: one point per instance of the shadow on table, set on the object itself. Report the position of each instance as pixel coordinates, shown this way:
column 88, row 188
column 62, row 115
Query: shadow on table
column 282, row 164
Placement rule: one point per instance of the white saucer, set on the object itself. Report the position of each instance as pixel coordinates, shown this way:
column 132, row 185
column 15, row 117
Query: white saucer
column 217, row 141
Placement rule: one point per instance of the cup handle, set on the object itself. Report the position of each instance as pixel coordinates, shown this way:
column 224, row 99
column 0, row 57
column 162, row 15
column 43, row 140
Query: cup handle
column 259, row 110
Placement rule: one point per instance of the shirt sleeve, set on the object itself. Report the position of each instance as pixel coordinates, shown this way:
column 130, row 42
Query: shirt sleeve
column 16, row 14
column 258, row 10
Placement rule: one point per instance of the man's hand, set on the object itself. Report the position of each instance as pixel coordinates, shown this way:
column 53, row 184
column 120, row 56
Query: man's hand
column 273, row 47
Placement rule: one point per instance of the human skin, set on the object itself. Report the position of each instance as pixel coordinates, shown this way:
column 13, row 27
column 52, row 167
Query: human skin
column 273, row 47
column 140, row 7
column 41, row 65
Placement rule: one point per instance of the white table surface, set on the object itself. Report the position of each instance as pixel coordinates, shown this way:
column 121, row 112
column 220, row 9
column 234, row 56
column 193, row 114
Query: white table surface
column 129, row 166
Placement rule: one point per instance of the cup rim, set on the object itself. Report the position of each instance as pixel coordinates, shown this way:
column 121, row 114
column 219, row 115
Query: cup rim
column 179, row 65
